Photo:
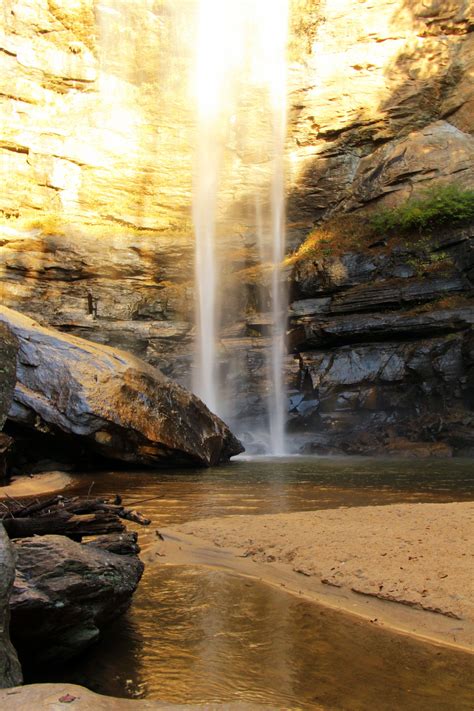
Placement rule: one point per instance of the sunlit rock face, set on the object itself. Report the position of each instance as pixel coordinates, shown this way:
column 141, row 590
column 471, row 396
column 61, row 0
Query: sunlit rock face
column 96, row 147
column 98, row 108
column 95, row 122
column 389, row 95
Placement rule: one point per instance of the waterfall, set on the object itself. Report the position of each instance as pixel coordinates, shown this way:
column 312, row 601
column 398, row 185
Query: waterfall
column 240, row 94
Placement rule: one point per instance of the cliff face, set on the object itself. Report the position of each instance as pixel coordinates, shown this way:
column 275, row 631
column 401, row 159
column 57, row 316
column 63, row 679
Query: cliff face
column 388, row 105
column 96, row 148
column 98, row 116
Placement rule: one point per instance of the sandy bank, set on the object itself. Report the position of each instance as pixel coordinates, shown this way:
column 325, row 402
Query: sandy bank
column 57, row 697
column 36, row 484
column 362, row 560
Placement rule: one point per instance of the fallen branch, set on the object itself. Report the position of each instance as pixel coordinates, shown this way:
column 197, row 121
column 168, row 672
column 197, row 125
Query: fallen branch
column 75, row 517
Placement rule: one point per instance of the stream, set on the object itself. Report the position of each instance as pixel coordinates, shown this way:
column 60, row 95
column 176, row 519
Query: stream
column 197, row 635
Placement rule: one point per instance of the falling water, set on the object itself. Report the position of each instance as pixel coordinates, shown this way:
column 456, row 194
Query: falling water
column 240, row 75
column 210, row 76
column 277, row 393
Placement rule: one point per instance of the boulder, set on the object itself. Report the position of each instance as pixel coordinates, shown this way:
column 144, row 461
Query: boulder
column 10, row 670
column 65, row 592
column 111, row 402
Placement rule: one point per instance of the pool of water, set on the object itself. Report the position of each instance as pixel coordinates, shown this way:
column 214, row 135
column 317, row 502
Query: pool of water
column 201, row 635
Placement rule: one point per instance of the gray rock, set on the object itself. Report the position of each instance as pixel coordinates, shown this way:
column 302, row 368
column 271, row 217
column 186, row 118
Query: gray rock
column 317, row 332
column 351, row 366
column 64, row 593
column 319, row 277
column 8, row 354
column 309, row 307
column 10, row 670
column 115, row 404
column 395, row 293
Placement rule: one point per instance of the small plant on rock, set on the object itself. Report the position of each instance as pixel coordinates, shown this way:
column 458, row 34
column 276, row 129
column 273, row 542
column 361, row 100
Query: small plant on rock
column 438, row 206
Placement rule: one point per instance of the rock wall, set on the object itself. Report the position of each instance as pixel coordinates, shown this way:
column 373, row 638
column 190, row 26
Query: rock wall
column 99, row 115
column 96, row 154
column 384, row 344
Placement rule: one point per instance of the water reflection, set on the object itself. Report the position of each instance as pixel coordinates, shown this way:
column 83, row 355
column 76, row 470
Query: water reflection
column 266, row 485
column 201, row 635
column 198, row 635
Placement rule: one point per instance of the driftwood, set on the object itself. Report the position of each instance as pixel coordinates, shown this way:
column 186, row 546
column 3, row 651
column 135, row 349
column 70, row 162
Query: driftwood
column 74, row 517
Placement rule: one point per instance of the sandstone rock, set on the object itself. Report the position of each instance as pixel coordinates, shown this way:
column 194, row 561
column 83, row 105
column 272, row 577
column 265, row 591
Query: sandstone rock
column 356, row 80
column 10, row 670
column 319, row 277
column 369, row 399
column 419, row 361
column 113, row 403
column 64, row 593
column 434, row 153
column 309, row 307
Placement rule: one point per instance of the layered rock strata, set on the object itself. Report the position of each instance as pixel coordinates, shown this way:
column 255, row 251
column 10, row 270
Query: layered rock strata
column 384, row 340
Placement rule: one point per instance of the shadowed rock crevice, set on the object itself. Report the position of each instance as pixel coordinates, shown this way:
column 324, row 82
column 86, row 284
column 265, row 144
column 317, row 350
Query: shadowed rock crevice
column 10, row 670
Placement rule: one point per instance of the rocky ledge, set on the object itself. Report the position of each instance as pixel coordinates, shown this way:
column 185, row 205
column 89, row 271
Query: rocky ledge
column 383, row 344
column 98, row 401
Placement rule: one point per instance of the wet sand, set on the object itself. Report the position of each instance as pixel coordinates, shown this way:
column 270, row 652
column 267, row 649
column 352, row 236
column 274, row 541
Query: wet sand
column 36, row 484
column 55, row 697
column 407, row 567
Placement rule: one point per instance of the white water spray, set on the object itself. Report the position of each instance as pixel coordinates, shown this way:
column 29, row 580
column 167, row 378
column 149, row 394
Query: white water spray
column 241, row 52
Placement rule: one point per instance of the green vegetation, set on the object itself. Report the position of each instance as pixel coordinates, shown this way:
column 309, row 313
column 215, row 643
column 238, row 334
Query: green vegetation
column 446, row 205
column 441, row 205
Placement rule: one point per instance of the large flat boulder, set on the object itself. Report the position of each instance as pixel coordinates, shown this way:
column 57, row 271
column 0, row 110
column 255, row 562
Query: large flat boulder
column 117, row 405
column 65, row 592
column 10, row 670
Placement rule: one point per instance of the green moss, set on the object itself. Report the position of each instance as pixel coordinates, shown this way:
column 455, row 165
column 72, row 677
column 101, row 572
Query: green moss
column 437, row 206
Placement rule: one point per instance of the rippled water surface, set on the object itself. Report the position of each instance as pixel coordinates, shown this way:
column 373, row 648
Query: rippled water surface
column 200, row 635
